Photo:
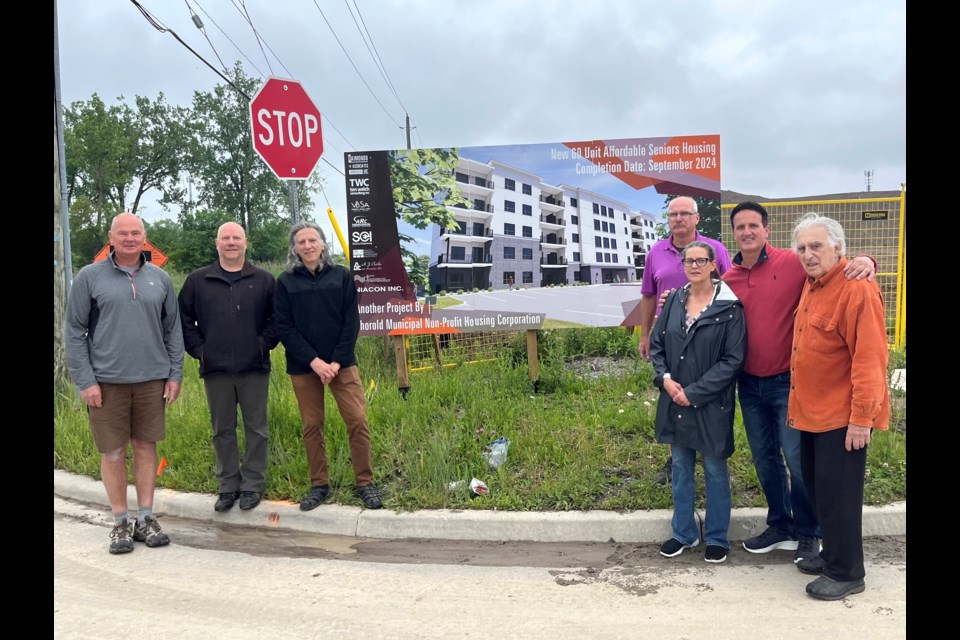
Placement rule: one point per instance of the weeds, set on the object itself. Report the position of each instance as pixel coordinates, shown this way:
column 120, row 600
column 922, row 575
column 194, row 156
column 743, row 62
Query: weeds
column 584, row 441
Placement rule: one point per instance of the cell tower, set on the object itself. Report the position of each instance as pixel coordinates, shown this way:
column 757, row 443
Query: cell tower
column 868, row 177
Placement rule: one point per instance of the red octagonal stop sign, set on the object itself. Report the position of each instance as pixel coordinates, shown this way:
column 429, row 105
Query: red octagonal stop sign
column 286, row 128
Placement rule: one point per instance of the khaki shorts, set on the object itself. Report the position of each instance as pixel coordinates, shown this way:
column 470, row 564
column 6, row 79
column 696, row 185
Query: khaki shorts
column 134, row 411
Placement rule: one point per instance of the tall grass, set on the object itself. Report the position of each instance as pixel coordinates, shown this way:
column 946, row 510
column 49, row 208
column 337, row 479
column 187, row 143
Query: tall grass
column 577, row 443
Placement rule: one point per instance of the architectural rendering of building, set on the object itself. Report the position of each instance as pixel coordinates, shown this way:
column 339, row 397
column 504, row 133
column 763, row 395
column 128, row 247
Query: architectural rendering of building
column 517, row 230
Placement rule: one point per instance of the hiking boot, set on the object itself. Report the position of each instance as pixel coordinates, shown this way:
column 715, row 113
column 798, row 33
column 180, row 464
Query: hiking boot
column 249, row 499
column 715, row 554
column 665, row 476
column 768, row 541
column 824, row 588
column 149, row 532
column 120, row 541
column 315, row 497
column 673, row 547
column 812, row 566
column 225, row 501
column 807, row 549
column 369, row 495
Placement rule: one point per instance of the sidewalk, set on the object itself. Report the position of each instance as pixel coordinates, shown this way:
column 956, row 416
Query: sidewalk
column 446, row 524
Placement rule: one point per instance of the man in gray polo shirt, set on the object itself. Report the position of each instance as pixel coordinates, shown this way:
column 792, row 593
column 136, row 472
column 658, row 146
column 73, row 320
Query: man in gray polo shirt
column 125, row 354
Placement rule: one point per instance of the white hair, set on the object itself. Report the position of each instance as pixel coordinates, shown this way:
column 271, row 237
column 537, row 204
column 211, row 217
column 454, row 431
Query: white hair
column 832, row 227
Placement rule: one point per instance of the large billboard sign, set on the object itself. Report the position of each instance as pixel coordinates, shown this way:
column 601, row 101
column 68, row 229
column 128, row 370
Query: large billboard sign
column 520, row 236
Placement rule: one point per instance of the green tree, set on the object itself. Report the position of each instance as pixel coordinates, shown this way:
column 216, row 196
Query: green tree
column 418, row 270
column 423, row 186
column 197, row 245
column 710, row 218
column 268, row 242
column 117, row 154
column 166, row 235
column 661, row 231
column 87, row 234
column 228, row 174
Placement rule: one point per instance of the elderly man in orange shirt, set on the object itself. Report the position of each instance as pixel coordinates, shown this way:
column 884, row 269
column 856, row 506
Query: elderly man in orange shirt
column 838, row 396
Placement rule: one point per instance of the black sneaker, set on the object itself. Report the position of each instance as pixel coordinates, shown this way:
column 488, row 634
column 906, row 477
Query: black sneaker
column 369, row 495
column 249, row 499
column 120, row 541
column 315, row 497
column 149, row 533
column 673, row 547
column 807, row 549
column 768, row 541
column 225, row 501
column 715, row 553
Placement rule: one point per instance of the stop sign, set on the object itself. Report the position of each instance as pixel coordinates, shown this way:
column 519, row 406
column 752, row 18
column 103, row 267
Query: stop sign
column 286, row 128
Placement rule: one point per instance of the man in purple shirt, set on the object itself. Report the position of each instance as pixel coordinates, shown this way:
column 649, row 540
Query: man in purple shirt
column 664, row 271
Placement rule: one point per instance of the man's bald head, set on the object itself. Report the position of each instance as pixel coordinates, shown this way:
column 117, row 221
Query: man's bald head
column 126, row 219
column 231, row 246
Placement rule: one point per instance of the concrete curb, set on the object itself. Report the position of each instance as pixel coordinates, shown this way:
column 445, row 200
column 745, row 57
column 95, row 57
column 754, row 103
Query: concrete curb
column 451, row 524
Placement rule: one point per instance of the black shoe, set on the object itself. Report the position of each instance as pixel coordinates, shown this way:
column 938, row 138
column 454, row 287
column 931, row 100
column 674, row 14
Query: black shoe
column 769, row 540
column 665, row 476
column 824, row 588
column 225, row 501
column 315, row 498
column 369, row 495
column 811, row 566
column 807, row 549
column 715, row 554
column 120, row 540
column 249, row 499
column 673, row 547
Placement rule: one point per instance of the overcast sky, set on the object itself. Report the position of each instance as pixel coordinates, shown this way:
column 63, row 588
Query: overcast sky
column 805, row 96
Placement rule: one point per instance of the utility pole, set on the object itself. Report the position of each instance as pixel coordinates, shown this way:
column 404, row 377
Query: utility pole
column 62, row 262
column 294, row 201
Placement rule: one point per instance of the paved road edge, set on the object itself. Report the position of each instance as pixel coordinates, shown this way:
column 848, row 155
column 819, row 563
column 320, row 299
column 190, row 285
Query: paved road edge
column 451, row 524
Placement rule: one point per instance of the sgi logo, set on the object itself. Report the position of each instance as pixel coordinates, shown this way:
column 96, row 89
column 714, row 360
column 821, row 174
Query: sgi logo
column 361, row 237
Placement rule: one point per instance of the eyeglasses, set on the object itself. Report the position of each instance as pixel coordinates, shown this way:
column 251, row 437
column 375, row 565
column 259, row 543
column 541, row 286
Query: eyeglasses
column 700, row 262
column 683, row 214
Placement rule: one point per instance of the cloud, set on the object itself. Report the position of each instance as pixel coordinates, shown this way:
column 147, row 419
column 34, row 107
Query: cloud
column 804, row 98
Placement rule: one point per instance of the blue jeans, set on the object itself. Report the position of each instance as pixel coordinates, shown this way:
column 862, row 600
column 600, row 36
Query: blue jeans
column 685, row 528
column 763, row 404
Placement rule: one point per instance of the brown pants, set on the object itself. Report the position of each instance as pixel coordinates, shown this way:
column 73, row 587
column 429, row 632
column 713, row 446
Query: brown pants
column 348, row 392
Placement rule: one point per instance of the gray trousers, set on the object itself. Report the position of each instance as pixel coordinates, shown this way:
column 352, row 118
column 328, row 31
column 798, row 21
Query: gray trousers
column 249, row 391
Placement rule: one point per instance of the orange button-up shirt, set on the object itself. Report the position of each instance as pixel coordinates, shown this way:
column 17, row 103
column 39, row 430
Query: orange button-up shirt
column 838, row 366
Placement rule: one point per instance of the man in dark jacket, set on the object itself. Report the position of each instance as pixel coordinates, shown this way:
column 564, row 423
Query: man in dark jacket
column 227, row 313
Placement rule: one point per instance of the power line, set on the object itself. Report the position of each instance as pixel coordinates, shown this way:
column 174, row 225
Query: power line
column 159, row 26
column 354, row 66
column 199, row 24
column 374, row 53
column 235, row 46
column 246, row 15
column 164, row 29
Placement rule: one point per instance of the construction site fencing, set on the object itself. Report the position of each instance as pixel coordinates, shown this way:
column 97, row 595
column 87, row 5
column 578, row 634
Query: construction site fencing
column 872, row 226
